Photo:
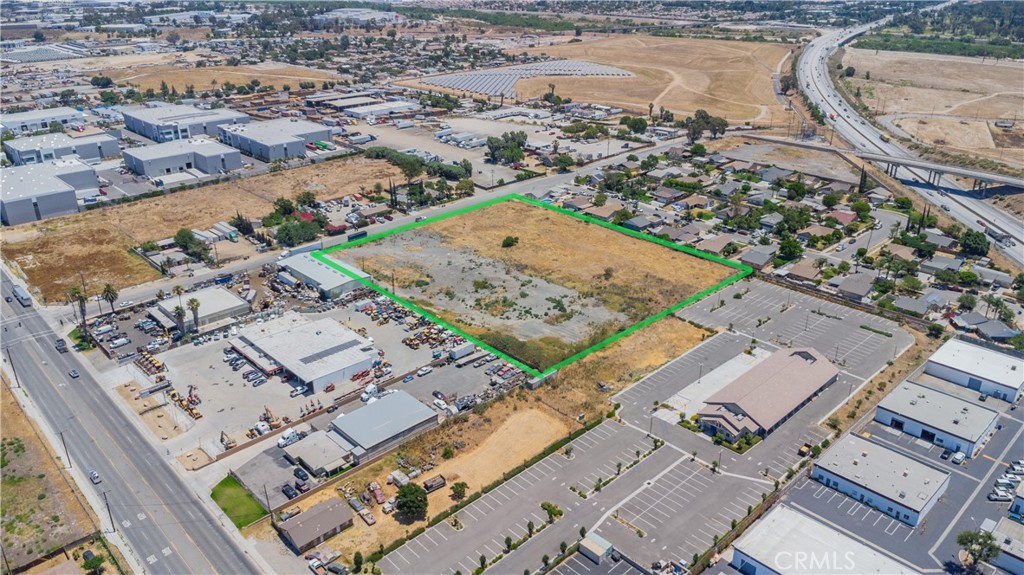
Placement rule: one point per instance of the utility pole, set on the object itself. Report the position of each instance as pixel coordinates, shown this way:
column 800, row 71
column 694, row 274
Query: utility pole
column 10, row 360
column 700, row 373
column 67, row 456
column 109, row 514
column 266, row 495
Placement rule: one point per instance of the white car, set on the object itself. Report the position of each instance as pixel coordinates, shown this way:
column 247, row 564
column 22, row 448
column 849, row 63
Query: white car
column 958, row 458
column 999, row 495
column 1016, row 470
column 424, row 371
column 440, row 404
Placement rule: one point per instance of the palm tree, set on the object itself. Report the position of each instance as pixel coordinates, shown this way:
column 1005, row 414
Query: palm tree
column 552, row 87
column 991, row 300
column 650, row 110
column 109, row 295
column 179, row 317
column 193, row 306
column 76, row 295
column 178, row 290
column 161, row 294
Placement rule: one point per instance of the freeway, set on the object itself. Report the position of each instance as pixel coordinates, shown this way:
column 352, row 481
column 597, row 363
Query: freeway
column 167, row 526
column 814, row 78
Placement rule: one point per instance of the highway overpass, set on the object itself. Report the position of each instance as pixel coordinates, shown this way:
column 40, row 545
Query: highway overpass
column 936, row 171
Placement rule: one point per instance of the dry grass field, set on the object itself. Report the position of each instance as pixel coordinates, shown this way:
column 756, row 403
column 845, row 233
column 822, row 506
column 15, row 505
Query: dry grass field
column 729, row 79
column 97, row 242
column 178, row 75
column 940, row 84
column 40, row 511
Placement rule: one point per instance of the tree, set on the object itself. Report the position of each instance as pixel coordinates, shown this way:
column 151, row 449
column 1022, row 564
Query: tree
column 947, row 276
column 178, row 290
column 109, row 294
column 56, row 127
column 980, row 546
column 830, row 201
column 284, row 206
column 967, row 301
column 411, row 167
column 698, row 149
column 305, row 198
column 935, row 330
column 179, row 317
column 465, row 187
column 974, row 243
column 991, row 301
column 563, row 162
column 38, row 36
column 357, row 562
column 843, row 267
column 545, row 559
column 94, row 564
column 600, row 199
column 508, row 544
column 193, row 306
column 509, row 241
column 173, row 37
column 459, row 490
column 790, row 248
column 77, row 296
column 412, row 501
column 862, row 209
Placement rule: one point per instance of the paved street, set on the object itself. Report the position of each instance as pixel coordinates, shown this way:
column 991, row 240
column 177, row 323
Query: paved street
column 167, row 526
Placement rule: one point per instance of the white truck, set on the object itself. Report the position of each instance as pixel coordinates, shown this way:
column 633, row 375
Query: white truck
column 287, row 438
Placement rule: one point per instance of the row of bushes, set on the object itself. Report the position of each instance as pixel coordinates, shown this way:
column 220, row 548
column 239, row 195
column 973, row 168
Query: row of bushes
column 376, row 556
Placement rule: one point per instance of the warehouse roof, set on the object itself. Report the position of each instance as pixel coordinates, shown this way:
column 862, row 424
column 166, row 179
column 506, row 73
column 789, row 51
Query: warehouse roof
column 778, row 385
column 940, row 410
column 377, row 422
column 204, row 146
column 980, row 362
column 326, row 277
column 212, row 301
column 58, row 139
column 308, row 526
column 351, row 101
column 180, row 113
column 784, row 532
column 384, row 108
column 277, row 131
column 315, row 349
column 319, row 450
column 34, row 180
column 36, row 115
column 890, row 474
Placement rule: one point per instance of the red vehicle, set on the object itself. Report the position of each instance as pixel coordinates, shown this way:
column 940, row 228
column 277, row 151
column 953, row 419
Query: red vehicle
column 329, row 388
column 311, row 147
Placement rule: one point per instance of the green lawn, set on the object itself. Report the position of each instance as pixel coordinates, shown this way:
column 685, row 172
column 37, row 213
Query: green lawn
column 236, row 502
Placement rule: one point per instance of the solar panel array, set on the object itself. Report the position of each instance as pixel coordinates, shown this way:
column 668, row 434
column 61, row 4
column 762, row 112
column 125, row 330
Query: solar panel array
column 502, row 81
column 40, row 54
column 330, row 351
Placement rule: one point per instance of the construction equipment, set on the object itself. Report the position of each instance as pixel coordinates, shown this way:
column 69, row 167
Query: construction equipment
column 268, row 416
column 227, row 441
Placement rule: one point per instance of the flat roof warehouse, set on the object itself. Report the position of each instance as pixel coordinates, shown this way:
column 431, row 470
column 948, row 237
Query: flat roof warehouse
column 315, row 349
column 940, row 410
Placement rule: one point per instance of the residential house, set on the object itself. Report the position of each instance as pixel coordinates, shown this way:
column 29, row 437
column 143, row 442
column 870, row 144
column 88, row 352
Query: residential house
column 815, row 230
column 772, row 173
column 968, row 321
column 843, row 217
column 577, row 204
column 664, row 173
column 605, row 213
column 879, row 196
column 901, row 252
column 911, row 305
column 696, row 201
column 996, row 331
column 739, row 167
column 941, row 263
column 665, row 195
column 804, row 270
column 760, row 257
column 814, row 205
column 728, row 188
column 993, row 277
column 678, row 153
column 315, row 525
column 838, row 189
column 770, row 221
column 942, row 243
column 856, row 286
column 679, row 235
column 698, row 228
column 639, row 223
column 717, row 244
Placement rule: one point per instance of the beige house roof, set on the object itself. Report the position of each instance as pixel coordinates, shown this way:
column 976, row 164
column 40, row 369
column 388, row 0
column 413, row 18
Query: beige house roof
column 322, row 518
column 905, row 253
column 774, row 388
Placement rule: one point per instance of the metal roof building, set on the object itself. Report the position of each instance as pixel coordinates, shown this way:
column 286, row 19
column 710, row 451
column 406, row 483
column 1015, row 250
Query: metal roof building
column 278, row 139
column 167, row 122
column 35, row 120
column 938, row 417
column 37, row 149
column 39, row 191
column 382, row 109
column 318, row 353
column 774, row 543
column 383, row 424
column 982, row 369
column 330, row 282
column 878, row 477
column 762, row 399
column 197, row 156
column 215, row 304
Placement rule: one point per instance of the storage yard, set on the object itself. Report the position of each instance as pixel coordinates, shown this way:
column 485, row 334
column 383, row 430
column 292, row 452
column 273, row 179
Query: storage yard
column 502, row 81
column 729, row 79
column 532, row 300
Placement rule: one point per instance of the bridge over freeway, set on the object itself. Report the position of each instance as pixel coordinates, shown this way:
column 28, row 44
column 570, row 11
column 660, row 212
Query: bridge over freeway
column 982, row 180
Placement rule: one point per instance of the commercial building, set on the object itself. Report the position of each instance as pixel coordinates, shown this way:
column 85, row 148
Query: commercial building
column 1009, row 536
column 322, row 453
column 316, row 524
column 890, row 482
column 786, row 542
column 215, row 304
column 1017, row 506
column 330, row 282
column 382, row 109
column 38, row 149
column 358, row 16
column 167, row 122
column 197, row 156
column 278, row 139
column 318, row 353
column 595, row 548
column 762, row 399
column 937, row 417
column 979, row 368
column 382, row 424
column 45, row 190
column 35, row 120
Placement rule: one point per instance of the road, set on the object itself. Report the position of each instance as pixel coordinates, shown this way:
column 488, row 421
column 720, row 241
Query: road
column 167, row 526
column 813, row 75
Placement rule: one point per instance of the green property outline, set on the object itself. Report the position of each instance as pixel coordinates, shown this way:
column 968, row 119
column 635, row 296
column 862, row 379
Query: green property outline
column 744, row 271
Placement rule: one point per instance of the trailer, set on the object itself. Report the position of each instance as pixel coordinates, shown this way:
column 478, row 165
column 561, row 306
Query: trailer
column 434, row 483
column 22, row 296
column 462, row 351
column 403, row 124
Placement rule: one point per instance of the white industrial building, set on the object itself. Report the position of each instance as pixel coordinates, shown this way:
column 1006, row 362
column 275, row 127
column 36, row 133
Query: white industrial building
column 383, row 109
column 1009, row 536
column 787, row 542
column 215, row 304
column 38, row 149
column 318, row 353
column 982, row 369
column 36, row 120
column 329, row 281
column 279, row 139
column 937, row 417
column 1017, row 506
column 40, row 191
column 196, row 156
column 162, row 122
column 878, row 477
column 358, row 16
column 382, row 424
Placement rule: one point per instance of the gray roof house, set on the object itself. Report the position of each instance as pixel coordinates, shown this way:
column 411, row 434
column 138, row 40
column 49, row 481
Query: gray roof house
column 941, row 263
column 856, row 286
column 911, row 305
column 772, row 173
column 769, row 221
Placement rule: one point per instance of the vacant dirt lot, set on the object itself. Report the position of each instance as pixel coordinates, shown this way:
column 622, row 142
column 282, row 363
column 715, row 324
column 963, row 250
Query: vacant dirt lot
column 935, row 83
column 40, row 511
column 97, row 242
column 177, row 75
column 729, row 79
column 965, row 135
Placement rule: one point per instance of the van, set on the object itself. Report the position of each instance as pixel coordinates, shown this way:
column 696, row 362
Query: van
column 297, row 392
column 1005, row 484
column 120, row 342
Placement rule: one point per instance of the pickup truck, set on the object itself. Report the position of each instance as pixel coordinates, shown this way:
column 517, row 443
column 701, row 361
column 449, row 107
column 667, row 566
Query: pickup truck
column 61, row 345
column 805, row 450
column 367, row 516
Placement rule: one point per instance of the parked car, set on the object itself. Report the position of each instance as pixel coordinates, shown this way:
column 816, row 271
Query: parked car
column 300, row 473
column 1000, row 495
column 289, row 491
column 958, row 458
column 439, row 395
column 424, row 371
column 1016, row 470
column 301, row 485
column 945, row 454
column 355, row 504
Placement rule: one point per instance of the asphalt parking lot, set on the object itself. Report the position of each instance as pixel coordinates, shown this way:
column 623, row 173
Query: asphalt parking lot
column 577, row 564
column 507, row 510
column 269, row 469
column 832, row 329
